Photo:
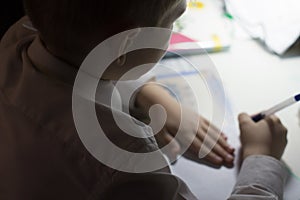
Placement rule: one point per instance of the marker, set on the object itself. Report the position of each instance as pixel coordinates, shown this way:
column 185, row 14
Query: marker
column 276, row 108
column 197, row 48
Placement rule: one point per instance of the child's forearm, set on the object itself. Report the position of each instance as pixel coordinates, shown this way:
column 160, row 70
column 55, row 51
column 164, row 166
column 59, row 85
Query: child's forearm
column 195, row 127
column 152, row 94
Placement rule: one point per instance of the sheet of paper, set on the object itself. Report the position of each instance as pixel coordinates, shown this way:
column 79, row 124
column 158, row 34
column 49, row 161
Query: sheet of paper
column 276, row 22
column 206, row 182
column 194, row 23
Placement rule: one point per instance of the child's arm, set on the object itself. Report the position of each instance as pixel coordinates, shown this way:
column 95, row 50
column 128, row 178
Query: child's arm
column 221, row 154
column 262, row 175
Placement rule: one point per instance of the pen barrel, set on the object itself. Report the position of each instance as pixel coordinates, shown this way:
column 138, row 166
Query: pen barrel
column 280, row 106
column 258, row 117
column 274, row 109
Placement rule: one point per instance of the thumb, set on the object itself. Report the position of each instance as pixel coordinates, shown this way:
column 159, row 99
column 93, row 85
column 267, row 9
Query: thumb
column 244, row 118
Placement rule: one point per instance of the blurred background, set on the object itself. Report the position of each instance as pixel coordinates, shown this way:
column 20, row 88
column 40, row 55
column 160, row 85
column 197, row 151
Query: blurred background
column 10, row 12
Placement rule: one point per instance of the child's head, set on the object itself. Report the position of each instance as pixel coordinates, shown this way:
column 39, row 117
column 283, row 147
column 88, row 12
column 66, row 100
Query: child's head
column 77, row 26
column 69, row 23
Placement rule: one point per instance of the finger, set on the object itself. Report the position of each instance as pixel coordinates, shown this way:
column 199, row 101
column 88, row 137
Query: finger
column 272, row 121
column 208, row 155
column 221, row 141
column 211, row 143
column 245, row 119
column 201, row 151
column 276, row 125
column 216, row 136
column 211, row 125
column 284, row 130
column 224, row 144
column 224, row 136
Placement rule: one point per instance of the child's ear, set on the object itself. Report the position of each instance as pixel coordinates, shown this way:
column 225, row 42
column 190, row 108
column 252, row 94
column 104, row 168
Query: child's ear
column 126, row 43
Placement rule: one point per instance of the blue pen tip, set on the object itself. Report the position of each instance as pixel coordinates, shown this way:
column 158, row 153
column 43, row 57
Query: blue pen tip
column 297, row 97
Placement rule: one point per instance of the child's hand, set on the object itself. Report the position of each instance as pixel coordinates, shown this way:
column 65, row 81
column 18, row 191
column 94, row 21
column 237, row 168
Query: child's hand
column 221, row 154
column 267, row 137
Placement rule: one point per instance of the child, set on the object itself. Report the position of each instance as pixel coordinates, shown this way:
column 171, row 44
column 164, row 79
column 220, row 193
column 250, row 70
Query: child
column 42, row 156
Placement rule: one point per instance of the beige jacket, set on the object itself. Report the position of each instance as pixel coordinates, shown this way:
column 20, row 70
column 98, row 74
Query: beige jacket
column 42, row 156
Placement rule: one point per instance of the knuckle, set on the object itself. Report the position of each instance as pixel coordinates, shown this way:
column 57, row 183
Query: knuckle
column 275, row 119
column 285, row 139
column 283, row 130
column 243, row 122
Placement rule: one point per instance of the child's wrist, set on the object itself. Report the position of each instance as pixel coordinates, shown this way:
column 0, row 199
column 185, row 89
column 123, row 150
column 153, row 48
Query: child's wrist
column 256, row 150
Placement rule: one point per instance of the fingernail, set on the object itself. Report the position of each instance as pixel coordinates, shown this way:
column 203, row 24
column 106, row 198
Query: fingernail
column 219, row 159
column 231, row 148
column 229, row 157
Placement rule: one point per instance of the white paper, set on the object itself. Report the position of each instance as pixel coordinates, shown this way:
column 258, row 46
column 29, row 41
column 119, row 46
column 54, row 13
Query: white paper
column 276, row 22
column 206, row 182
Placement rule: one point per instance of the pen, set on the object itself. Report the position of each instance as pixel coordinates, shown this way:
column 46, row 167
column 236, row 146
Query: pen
column 276, row 108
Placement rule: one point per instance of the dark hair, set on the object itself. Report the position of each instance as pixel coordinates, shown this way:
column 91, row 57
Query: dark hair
column 65, row 21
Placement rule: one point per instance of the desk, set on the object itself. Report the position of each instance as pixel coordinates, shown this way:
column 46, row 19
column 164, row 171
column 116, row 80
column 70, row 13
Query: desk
column 254, row 80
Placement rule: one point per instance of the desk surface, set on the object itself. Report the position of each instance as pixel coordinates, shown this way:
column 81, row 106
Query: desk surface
column 254, row 80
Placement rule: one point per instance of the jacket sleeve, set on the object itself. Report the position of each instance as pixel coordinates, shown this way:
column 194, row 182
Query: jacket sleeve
column 261, row 177
column 155, row 185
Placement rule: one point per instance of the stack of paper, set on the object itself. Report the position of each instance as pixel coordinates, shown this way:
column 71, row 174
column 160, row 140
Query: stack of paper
column 203, row 27
column 275, row 22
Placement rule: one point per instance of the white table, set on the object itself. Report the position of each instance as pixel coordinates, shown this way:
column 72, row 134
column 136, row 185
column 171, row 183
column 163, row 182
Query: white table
column 254, row 80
